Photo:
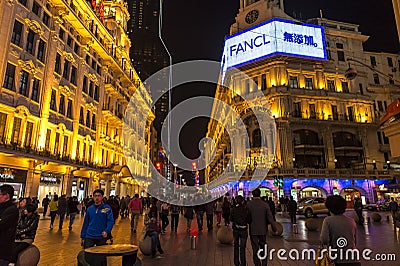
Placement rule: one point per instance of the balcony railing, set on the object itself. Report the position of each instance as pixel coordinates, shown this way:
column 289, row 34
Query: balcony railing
column 47, row 155
column 324, row 116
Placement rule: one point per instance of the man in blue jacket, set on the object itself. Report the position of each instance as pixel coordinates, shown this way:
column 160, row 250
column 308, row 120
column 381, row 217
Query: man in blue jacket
column 98, row 222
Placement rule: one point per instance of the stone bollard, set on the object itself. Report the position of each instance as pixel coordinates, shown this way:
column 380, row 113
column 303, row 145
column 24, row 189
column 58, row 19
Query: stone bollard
column 312, row 224
column 225, row 235
column 376, row 217
column 279, row 228
column 145, row 246
column 30, row 256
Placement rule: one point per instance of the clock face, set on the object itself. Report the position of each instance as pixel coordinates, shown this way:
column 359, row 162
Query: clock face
column 251, row 17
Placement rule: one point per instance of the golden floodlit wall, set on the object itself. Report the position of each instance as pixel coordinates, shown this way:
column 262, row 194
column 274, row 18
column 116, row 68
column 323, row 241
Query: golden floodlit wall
column 66, row 83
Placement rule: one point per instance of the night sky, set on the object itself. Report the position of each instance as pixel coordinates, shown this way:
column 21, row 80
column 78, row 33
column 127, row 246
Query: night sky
column 196, row 29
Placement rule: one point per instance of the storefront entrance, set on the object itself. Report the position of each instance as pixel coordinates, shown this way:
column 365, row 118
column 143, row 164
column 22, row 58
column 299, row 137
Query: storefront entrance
column 79, row 188
column 312, row 192
column 267, row 192
column 14, row 177
column 350, row 194
column 50, row 184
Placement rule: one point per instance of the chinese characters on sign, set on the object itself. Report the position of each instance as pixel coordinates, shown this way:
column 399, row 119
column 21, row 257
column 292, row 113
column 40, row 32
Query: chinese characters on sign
column 299, row 39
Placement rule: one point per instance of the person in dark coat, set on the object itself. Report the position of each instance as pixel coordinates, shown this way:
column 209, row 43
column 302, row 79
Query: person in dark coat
column 393, row 208
column 292, row 209
column 123, row 206
column 271, row 205
column 27, row 226
column 189, row 213
column 226, row 209
column 26, row 229
column 45, row 204
column 8, row 224
column 73, row 210
column 210, row 214
column 62, row 209
column 240, row 219
column 358, row 207
column 200, row 209
column 260, row 216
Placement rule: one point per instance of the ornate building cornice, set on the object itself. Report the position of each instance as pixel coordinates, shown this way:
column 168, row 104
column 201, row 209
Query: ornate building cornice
column 34, row 25
column 29, row 66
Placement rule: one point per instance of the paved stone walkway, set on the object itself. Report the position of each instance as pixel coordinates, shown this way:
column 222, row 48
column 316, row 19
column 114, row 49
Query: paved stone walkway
column 60, row 247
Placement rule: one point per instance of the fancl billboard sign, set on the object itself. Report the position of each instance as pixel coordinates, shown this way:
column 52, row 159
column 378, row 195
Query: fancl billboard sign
column 273, row 37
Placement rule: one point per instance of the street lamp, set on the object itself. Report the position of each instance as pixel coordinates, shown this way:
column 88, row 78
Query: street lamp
column 180, row 179
column 175, row 176
column 351, row 73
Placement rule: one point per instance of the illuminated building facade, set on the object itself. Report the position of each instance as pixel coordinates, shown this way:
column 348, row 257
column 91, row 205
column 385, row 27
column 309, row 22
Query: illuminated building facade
column 328, row 137
column 66, row 84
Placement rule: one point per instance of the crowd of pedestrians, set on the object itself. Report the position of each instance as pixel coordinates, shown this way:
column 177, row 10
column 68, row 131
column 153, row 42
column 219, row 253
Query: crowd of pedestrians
column 248, row 218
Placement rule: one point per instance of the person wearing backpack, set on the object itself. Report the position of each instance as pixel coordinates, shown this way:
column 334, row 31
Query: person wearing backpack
column 240, row 218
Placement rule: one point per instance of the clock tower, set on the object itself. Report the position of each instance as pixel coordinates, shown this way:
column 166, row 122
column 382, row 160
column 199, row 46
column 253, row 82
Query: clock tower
column 253, row 12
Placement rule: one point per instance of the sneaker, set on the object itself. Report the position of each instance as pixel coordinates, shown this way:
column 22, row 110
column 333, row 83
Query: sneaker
column 51, row 226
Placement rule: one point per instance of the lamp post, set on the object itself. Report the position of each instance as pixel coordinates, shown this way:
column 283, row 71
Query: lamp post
column 175, row 176
column 351, row 73
column 180, row 179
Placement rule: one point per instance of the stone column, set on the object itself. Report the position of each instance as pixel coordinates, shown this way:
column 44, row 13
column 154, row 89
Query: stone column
column 320, row 79
column 68, row 179
column 32, row 181
column 329, row 148
column 108, row 188
column 47, row 84
column 117, row 187
column 123, row 189
column 129, row 190
column 283, row 151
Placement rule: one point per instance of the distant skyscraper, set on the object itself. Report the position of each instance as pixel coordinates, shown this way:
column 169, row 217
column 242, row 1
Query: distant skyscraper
column 147, row 53
column 396, row 9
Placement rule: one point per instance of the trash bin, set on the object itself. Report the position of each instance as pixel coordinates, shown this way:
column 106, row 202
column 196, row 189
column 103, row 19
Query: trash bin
column 193, row 242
